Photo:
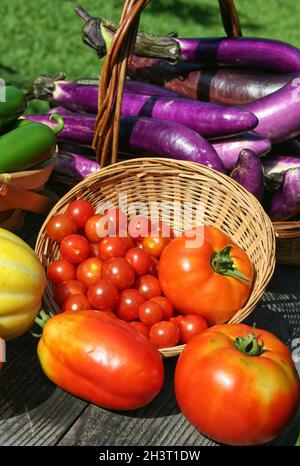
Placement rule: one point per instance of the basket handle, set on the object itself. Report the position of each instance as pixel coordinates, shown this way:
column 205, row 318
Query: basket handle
column 230, row 18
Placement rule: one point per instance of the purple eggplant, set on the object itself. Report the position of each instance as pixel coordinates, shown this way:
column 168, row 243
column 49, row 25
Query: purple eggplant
column 249, row 173
column 141, row 135
column 275, row 167
column 229, row 149
column 74, row 165
column 286, row 201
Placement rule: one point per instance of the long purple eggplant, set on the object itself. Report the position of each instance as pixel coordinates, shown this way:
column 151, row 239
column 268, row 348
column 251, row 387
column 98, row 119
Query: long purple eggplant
column 278, row 113
column 257, row 53
column 275, row 167
column 286, row 201
column 249, row 173
column 74, row 165
column 227, row 86
column 141, row 135
column 229, row 149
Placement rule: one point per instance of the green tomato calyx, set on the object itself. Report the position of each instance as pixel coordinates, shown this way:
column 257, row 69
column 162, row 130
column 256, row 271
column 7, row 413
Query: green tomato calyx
column 222, row 263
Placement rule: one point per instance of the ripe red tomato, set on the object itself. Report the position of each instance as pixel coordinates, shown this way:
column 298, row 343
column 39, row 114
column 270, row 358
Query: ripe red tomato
column 80, row 211
column 66, row 289
column 191, row 325
column 118, row 218
column 140, row 327
column 103, row 295
column 231, row 390
column 148, row 286
column 112, row 247
column 155, row 246
column 164, row 334
column 139, row 227
column 150, row 313
column 166, row 306
column 75, row 248
column 119, row 271
column 153, row 270
column 95, row 249
column 139, row 260
column 89, row 271
column 128, row 304
column 129, row 242
column 60, row 226
column 97, row 227
column 60, row 271
column 208, row 275
column 76, row 302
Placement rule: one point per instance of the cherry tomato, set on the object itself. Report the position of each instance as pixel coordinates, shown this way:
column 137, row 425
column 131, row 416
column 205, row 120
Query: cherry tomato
column 66, row 289
column 128, row 305
column 150, row 313
column 103, row 295
column 75, row 248
column 80, row 211
column 191, row 325
column 112, row 247
column 139, row 260
column 95, row 249
column 60, row 226
column 139, row 227
column 155, row 245
column 164, row 334
column 153, row 270
column 89, row 271
column 76, row 302
column 119, row 271
column 118, row 218
column 97, row 227
column 139, row 244
column 140, row 327
column 166, row 307
column 61, row 270
column 148, row 286
column 177, row 319
column 129, row 242
column 110, row 314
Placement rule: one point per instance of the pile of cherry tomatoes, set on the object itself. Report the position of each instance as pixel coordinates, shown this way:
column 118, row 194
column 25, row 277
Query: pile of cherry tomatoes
column 116, row 274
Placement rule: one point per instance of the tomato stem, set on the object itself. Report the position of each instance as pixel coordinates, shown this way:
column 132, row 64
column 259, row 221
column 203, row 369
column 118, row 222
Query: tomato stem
column 42, row 318
column 222, row 263
column 249, row 345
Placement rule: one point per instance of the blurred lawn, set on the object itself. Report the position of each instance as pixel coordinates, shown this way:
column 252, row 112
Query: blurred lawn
column 43, row 37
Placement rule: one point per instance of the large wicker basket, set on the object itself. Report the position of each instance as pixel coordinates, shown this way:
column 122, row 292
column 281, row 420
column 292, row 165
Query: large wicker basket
column 225, row 205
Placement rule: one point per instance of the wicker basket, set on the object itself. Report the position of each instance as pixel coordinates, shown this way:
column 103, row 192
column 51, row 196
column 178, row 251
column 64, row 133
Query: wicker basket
column 225, row 204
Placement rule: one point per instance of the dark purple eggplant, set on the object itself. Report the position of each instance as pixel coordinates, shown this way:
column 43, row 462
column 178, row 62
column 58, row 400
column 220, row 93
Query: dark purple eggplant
column 141, row 135
column 229, row 149
column 285, row 203
column 249, row 173
column 74, row 165
column 275, row 167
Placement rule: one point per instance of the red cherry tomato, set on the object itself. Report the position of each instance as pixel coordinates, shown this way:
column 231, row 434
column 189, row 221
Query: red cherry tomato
column 128, row 305
column 117, row 218
column 148, row 286
column 60, row 226
column 110, row 314
column 89, row 271
column 166, row 306
column 112, row 247
column 177, row 319
column 60, row 271
column 155, row 245
column 140, row 327
column 164, row 334
column 139, row 227
column 76, row 302
column 80, row 211
column 153, row 270
column 139, row 244
column 129, row 242
column 119, row 271
column 75, row 248
column 97, row 227
column 139, row 260
column 94, row 249
column 150, row 313
column 66, row 289
column 191, row 325
column 103, row 295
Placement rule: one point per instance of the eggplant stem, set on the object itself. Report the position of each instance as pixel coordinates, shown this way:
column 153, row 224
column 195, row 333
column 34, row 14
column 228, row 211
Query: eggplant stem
column 60, row 122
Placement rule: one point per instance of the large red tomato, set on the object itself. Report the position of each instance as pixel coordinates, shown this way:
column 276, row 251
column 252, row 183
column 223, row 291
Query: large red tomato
column 237, row 385
column 207, row 275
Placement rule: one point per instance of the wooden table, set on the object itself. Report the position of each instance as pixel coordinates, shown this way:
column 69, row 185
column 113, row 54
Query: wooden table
column 33, row 411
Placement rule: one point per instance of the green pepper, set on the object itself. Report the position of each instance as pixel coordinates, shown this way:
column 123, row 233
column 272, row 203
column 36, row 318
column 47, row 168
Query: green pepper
column 13, row 105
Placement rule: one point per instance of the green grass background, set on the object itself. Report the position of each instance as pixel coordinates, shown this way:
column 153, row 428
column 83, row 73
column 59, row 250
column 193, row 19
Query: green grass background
column 43, row 36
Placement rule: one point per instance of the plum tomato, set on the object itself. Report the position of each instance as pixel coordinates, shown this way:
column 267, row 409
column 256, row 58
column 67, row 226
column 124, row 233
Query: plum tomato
column 148, row 286
column 76, row 302
column 80, row 211
column 119, row 271
column 89, row 271
column 103, row 295
column 128, row 304
column 139, row 260
column 75, row 248
column 97, row 227
column 140, row 327
column 139, row 227
column 150, row 313
column 118, row 218
column 60, row 226
column 166, row 306
column 164, row 334
column 191, row 325
column 60, row 271
column 112, row 247
column 68, row 288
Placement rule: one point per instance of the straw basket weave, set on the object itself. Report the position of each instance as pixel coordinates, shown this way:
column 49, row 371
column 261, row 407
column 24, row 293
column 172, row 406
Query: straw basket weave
column 226, row 205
